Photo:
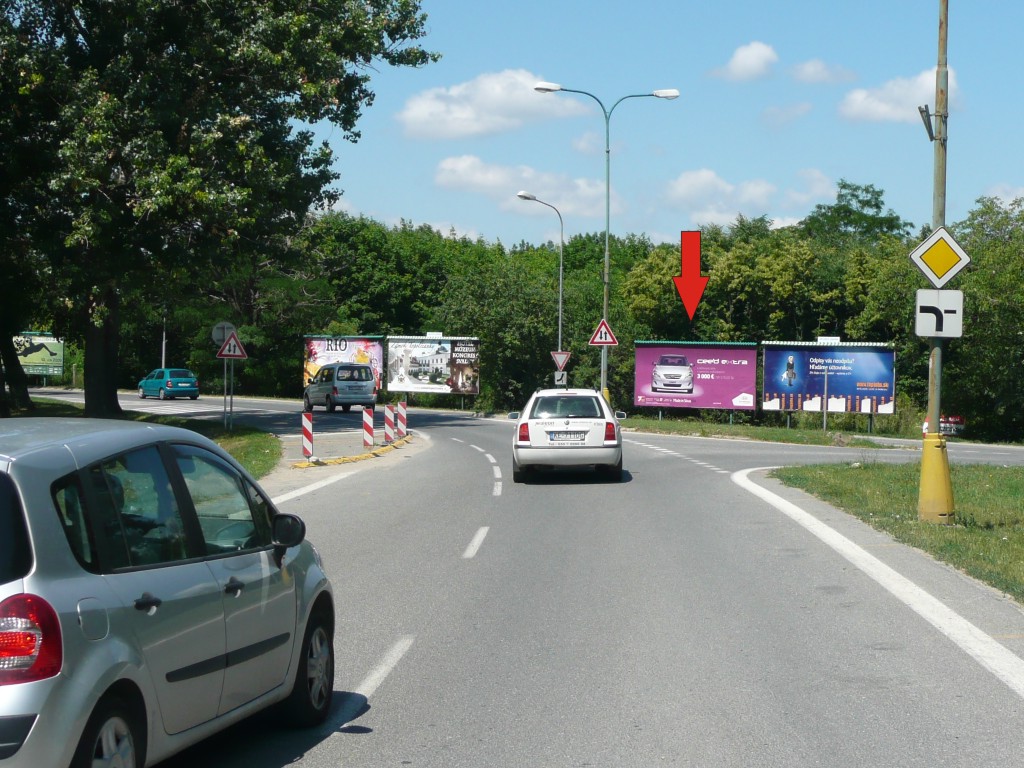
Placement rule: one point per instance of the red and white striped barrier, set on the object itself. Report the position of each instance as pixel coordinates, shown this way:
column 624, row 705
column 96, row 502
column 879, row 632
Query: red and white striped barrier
column 389, row 424
column 401, row 419
column 367, row 428
column 307, row 435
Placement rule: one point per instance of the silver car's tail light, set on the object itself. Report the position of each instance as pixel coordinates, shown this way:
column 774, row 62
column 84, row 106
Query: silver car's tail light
column 30, row 641
column 609, row 431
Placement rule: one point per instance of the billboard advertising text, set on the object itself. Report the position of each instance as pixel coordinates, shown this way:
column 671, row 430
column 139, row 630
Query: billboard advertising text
column 843, row 379
column 39, row 354
column 679, row 376
column 321, row 350
column 440, row 365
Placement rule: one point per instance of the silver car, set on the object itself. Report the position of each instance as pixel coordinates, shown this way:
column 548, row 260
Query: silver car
column 150, row 595
column 344, row 384
column 567, row 428
column 672, row 373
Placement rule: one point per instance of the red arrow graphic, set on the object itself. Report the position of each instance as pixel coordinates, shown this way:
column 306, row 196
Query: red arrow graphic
column 690, row 283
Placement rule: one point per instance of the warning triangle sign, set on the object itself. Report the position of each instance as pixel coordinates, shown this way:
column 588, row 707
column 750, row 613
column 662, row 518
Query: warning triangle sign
column 603, row 336
column 232, row 348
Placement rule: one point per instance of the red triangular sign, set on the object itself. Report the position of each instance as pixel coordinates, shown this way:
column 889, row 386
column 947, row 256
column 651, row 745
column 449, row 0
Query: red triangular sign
column 561, row 358
column 232, row 348
column 603, row 336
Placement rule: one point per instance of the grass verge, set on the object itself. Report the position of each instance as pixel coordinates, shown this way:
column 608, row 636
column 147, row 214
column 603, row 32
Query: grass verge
column 256, row 450
column 695, row 428
column 987, row 539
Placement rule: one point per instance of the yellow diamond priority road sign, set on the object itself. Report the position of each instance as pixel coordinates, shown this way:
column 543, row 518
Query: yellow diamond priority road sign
column 940, row 257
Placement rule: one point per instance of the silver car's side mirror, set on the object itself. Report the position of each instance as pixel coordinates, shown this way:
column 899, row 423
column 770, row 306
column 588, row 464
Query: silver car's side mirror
column 514, row 415
column 620, row 415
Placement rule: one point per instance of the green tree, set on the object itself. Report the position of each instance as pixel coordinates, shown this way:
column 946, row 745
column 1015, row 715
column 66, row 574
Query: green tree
column 858, row 215
column 177, row 147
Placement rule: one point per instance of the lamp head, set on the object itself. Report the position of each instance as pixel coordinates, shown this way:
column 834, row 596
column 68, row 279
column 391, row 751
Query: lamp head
column 667, row 93
column 525, row 196
column 547, row 87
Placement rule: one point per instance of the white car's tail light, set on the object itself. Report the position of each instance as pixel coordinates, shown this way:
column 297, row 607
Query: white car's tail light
column 524, row 433
column 609, row 431
column 30, row 642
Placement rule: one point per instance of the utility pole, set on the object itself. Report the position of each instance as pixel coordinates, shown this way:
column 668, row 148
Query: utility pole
column 935, row 499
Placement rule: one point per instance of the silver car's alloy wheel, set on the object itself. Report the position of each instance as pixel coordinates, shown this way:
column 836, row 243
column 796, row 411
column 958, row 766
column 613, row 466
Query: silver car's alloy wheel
column 113, row 738
column 319, row 669
column 313, row 689
column 114, row 746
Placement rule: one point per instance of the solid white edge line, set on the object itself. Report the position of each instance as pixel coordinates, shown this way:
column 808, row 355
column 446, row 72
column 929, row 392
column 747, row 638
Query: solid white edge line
column 372, row 681
column 996, row 658
column 474, row 545
column 309, row 488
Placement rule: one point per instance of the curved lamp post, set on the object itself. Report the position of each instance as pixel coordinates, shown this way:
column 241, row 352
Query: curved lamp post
column 561, row 238
column 664, row 93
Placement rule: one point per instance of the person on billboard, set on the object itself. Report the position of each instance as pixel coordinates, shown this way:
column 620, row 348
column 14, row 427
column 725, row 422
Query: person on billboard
column 790, row 374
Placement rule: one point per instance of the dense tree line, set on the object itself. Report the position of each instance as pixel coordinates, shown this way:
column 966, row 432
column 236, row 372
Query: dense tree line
column 155, row 180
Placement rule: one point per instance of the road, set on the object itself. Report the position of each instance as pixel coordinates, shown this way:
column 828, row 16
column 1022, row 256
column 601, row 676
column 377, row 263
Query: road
column 696, row 614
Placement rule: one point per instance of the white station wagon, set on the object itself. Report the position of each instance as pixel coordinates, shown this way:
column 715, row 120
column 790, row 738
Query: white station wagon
column 567, row 428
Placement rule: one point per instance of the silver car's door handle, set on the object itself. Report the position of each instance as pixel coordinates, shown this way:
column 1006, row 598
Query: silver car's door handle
column 234, row 587
column 147, row 602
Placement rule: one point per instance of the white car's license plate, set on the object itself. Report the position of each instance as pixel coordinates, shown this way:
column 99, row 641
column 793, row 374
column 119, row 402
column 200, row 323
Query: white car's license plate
column 566, row 437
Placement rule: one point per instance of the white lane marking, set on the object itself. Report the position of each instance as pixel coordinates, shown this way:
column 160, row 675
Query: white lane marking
column 457, row 440
column 996, row 658
column 310, row 488
column 491, row 459
column 369, row 685
column 497, row 471
column 474, row 545
column 497, row 489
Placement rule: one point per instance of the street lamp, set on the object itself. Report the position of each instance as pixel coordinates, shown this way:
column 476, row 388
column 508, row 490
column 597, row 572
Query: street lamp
column 664, row 93
column 561, row 238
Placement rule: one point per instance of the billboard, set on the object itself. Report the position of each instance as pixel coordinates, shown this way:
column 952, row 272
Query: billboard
column 321, row 350
column 695, row 375
column 40, row 354
column 441, row 365
column 845, row 378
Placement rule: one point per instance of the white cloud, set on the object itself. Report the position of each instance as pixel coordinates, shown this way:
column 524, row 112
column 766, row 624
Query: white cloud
column 1005, row 192
column 692, row 186
column 710, row 199
column 817, row 71
column 749, row 62
column 896, row 100
column 491, row 103
column 572, row 197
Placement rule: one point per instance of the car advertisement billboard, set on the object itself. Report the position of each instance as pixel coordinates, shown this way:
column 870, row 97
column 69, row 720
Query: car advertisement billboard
column 321, row 350
column 696, row 375
column 441, row 365
column 848, row 378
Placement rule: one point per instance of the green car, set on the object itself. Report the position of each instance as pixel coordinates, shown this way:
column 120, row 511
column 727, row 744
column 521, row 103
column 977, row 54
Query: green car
column 168, row 383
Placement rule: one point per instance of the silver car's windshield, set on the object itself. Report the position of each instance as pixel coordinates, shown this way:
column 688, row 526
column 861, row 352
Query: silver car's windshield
column 566, row 407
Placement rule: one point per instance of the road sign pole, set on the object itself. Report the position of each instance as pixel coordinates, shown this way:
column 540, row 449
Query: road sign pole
column 935, row 497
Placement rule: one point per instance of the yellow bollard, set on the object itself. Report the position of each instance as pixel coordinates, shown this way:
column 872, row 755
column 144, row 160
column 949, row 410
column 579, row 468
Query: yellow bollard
column 935, row 500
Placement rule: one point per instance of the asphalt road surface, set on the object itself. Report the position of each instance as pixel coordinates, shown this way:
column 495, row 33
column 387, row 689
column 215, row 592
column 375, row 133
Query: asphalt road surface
column 695, row 614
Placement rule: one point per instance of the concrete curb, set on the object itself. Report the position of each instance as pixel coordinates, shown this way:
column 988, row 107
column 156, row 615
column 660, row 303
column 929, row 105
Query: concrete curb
column 371, row 454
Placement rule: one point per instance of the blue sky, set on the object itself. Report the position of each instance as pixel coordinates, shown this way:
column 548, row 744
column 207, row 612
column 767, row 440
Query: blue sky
column 778, row 102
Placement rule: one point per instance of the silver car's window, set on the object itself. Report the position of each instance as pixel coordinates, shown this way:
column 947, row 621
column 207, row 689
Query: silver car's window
column 231, row 513
column 134, row 515
column 15, row 549
column 355, row 373
column 70, row 503
column 566, row 407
